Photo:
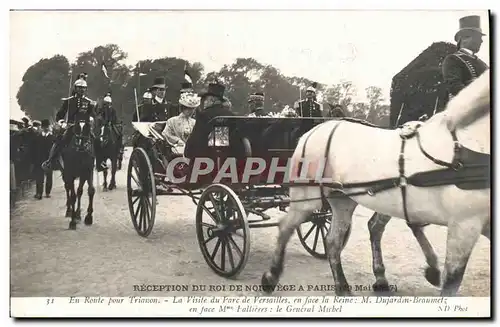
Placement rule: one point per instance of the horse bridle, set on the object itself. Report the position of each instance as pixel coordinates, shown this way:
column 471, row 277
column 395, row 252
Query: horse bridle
column 377, row 186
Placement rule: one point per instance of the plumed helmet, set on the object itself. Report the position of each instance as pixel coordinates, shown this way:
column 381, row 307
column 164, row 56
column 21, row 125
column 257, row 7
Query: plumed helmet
column 147, row 95
column 81, row 83
column 107, row 99
column 190, row 100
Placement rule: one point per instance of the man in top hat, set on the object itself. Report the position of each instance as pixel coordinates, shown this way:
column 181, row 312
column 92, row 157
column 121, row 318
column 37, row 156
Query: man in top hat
column 256, row 104
column 43, row 143
column 159, row 110
column 309, row 107
column 75, row 108
column 212, row 105
column 463, row 66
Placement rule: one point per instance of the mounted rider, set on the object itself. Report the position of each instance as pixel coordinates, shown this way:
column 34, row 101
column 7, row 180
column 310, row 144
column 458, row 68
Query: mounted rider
column 107, row 116
column 309, row 107
column 75, row 108
column 463, row 66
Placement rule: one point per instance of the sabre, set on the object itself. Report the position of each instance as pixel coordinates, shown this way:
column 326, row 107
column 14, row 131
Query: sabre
column 300, row 101
column 399, row 115
column 435, row 106
column 136, row 105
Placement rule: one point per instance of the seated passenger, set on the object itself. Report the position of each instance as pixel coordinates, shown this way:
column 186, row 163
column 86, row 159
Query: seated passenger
column 213, row 105
column 178, row 128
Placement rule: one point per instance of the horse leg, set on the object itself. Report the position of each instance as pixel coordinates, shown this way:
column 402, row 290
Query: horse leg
column 112, row 183
column 105, row 183
column 342, row 210
column 298, row 213
column 69, row 207
column 432, row 272
column 376, row 227
column 72, row 223
column 79, row 193
column 90, row 209
column 462, row 236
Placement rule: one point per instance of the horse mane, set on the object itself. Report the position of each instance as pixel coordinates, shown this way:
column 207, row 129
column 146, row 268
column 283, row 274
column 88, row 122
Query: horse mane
column 468, row 105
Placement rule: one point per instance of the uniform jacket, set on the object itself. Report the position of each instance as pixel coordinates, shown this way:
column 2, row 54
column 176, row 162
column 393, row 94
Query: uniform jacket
column 306, row 108
column 197, row 143
column 76, row 108
column 460, row 69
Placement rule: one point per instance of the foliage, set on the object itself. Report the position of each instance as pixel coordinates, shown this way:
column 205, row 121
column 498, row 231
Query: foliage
column 44, row 84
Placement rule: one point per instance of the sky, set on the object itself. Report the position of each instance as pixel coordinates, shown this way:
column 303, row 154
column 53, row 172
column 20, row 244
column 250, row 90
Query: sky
column 365, row 47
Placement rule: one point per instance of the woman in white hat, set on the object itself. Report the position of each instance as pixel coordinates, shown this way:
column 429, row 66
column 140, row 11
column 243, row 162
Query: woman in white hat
column 178, row 128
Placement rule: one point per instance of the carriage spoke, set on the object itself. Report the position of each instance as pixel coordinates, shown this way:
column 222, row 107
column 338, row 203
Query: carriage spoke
column 223, row 255
column 316, row 238
column 137, row 210
column 209, row 239
column 135, row 180
column 136, row 199
column 309, row 232
column 140, row 215
column 215, row 205
column 212, row 256
column 143, row 214
column 230, row 254
column 323, row 236
column 237, row 248
column 207, row 225
column 210, row 213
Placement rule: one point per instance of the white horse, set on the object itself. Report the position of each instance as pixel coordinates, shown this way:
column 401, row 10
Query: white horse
column 359, row 166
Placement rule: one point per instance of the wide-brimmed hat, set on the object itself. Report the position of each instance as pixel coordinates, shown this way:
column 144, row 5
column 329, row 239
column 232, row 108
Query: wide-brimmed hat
column 469, row 23
column 215, row 89
column 190, row 100
column 256, row 96
column 159, row 82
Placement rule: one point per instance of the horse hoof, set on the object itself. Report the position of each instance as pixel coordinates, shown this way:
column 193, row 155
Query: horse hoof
column 88, row 220
column 268, row 282
column 111, row 187
column 72, row 225
column 381, row 286
column 433, row 276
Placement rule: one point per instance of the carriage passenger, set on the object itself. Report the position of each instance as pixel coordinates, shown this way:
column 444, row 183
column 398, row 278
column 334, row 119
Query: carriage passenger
column 213, row 104
column 178, row 128
column 256, row 104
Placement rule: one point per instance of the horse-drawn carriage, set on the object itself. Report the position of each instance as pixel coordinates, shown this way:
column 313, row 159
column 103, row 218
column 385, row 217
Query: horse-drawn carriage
column 224, row 204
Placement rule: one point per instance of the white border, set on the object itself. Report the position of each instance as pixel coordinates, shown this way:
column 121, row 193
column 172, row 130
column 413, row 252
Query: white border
column 187, row 4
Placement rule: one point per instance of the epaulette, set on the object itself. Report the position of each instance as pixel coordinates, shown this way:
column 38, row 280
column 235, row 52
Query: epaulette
column 92, row 102
column 64, row 99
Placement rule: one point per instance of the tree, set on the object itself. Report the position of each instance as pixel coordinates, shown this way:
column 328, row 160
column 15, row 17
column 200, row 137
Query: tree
column 44, row 84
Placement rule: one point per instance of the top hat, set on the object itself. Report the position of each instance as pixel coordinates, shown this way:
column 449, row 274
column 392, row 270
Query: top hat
column 215, row 89
column 45, row 123
column 186, row 87
column 469, row 23
column 159, row 82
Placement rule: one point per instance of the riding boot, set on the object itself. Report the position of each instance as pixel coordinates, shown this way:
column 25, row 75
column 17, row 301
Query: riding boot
column 54, row 152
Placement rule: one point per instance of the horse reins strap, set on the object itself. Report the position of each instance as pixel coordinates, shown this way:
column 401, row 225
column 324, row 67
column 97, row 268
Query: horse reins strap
column 455, row 164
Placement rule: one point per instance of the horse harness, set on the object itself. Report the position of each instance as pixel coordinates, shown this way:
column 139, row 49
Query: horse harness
column 469, row 170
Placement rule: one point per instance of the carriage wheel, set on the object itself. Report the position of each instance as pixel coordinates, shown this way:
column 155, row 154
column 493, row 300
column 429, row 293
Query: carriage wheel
column 141, row 191
column 312, row 233
column 222, row 230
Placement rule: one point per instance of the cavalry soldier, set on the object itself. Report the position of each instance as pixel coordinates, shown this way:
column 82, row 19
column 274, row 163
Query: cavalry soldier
column 308, row 107
column 107, row 115
column 43, row 142
column 73, row 109
column 256, row 104
column 463, row 66
column 143, row 107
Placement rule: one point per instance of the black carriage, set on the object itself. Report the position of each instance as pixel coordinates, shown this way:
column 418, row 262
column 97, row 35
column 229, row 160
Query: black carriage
column 226, row 203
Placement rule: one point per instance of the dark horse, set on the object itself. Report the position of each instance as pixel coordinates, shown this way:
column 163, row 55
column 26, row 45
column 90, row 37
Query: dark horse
column 109, row 144
column 78, row 160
